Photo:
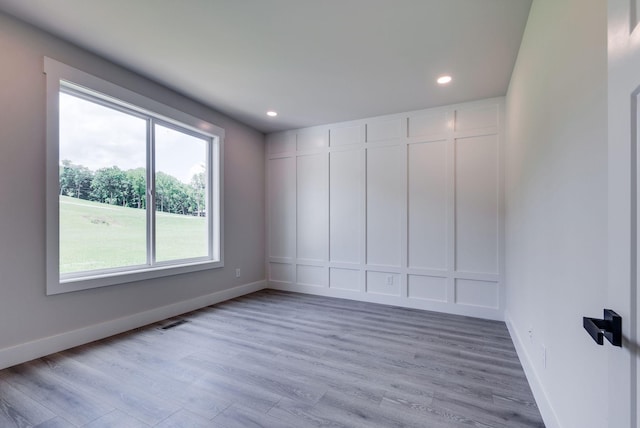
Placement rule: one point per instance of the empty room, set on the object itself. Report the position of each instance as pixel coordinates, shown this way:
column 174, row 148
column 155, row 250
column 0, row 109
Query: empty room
column 297, row 213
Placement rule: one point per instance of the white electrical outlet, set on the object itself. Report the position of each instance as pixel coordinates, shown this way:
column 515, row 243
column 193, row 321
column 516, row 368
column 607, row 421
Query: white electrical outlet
column 237, row 272
column 530, row 331
column 389, row 279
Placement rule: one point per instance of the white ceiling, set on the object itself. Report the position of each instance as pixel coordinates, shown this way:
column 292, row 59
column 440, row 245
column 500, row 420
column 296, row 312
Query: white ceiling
column 314, row 61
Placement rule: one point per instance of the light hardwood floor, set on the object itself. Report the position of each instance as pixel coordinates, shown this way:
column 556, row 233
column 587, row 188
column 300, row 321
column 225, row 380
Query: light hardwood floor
column 277, row 359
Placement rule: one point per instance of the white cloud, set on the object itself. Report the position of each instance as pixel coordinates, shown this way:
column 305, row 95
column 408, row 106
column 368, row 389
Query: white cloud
column 97, row 137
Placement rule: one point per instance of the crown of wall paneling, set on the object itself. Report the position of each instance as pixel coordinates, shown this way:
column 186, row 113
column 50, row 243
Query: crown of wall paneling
column 403, row 209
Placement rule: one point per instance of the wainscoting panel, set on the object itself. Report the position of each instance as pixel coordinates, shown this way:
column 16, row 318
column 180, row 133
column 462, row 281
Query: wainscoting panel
column 384, row 129
column 312, row 275
column 477, row 204
column 425, row 287
column 403, row 209
column 344, row 279
column 346, row 173
column 430, row 124
column 312, row 139
column 477, row 293
column 346, row 135
column 281, row 176
column 428, row 205
column 312, row 190
column 383, row 283
column 384, row 205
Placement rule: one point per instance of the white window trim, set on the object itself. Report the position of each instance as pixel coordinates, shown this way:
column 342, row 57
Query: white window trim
column 55, row 72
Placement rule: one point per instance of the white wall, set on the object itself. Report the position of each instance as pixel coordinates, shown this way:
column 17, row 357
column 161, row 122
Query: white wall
column 402, row 209
column 32, row 323
column 556, row 213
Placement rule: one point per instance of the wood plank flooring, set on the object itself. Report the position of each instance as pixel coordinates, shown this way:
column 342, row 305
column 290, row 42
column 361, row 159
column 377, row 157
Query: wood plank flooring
column 277, row 359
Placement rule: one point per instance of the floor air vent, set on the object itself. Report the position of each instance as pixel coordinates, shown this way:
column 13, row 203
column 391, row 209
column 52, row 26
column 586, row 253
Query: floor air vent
column 173, row 324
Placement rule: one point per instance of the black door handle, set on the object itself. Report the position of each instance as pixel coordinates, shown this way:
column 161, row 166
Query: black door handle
column 609, row 327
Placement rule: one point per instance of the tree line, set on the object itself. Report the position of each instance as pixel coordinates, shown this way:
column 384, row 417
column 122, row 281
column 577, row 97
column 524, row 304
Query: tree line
column 115, row 186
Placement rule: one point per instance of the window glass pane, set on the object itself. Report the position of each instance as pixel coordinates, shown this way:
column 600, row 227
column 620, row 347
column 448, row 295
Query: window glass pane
column 181, row 215
column 102, row 187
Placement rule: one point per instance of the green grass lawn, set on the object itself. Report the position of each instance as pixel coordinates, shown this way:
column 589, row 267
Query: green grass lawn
column 100, row 236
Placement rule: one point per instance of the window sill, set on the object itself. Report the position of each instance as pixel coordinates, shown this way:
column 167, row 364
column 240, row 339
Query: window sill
column 67, row 285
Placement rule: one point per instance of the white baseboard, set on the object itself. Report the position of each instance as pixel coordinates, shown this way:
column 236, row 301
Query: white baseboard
column 542, row 400
column 404, row 302
column 50, row 345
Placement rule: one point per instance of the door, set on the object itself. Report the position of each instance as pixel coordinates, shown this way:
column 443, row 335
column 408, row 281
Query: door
column 624, row 121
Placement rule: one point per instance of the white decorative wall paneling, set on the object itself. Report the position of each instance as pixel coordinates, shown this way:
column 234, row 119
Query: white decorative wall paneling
column 403, row 209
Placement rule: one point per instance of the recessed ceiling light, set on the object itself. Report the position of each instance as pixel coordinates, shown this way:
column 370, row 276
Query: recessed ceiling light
column 272, row 113
column 443, row 80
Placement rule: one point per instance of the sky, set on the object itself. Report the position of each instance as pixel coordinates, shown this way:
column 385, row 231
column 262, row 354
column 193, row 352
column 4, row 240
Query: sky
column 99, row 137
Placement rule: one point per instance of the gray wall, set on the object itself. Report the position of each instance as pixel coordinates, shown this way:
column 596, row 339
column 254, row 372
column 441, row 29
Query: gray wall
column 26, row 313
column 556, row 206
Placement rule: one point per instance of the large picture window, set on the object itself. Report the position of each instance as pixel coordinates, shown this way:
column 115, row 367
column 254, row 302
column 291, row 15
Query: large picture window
column 133, row 186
